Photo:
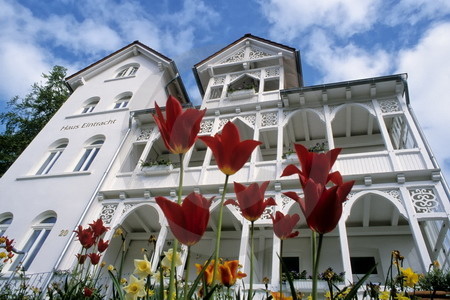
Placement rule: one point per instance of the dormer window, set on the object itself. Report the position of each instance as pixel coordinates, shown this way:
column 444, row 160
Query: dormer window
column 127, row 71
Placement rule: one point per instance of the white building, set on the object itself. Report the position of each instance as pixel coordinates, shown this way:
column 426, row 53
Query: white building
column 86, row 163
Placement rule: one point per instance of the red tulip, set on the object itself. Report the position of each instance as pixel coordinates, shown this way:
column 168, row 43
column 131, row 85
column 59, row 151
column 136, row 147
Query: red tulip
column 97, row 228
column 187, row 221
column 251, row 200
column 230, row 153
column 95, row 258
column 102, row 245
column 88, row 291
column 322, row 207
column 314, row 165
column 85, row 236
column 81, row 258
column 180, row 129
column 284, row 224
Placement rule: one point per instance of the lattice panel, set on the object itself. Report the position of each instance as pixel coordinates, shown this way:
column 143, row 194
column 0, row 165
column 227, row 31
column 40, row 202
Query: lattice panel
column 388, row 106
column 108, row 213
column 269, row 119
column 144, row 135
column 425, row 200
column 206, row 126
column 257, row 53
column 272, row 72
column 237, row 56
column 219, row 80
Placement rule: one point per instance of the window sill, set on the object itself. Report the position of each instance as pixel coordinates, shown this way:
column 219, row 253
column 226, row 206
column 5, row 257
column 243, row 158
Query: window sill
column 120, row 78
column 31, row 177
column 97, row 113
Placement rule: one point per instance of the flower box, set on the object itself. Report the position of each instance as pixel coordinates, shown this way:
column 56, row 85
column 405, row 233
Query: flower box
column 240, row 94
column 429, row 295
column 306, row 285
column 157, row 169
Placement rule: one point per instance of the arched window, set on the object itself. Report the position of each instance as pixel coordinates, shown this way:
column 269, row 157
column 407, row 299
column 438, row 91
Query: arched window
column 89, row 155
column 53, row 156
column 127, row 71
column 40, row 231
column 5, row 221
column 123, row 100
column 90, row 105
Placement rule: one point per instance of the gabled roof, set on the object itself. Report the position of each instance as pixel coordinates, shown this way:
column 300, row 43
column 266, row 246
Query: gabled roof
column 234, row 52
column 129, row 50
column 246, row 36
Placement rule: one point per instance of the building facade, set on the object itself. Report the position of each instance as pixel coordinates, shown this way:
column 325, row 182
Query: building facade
column 87, row 163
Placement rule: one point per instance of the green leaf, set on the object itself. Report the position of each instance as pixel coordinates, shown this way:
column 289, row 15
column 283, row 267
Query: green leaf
column 354, row 289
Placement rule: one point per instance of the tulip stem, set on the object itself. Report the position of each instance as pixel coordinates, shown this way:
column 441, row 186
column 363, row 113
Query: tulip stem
column 281, row 268
column 251, row 260
column 175, row 242
column 316, row 256
column 186, row 277
column 219, row 229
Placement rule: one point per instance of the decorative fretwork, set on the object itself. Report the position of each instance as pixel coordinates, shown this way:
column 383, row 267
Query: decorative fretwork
column 254, row 74
column 425, row 200
column 388, row 106
column 223, row 122
column 237, row 56
column 234, row 76
column 285, row 200
column 269, row 119
column 206, row 126
column 145, row 134
column 366, row 105
column 272, row 72
column 127, row 208
column 219, row 80
column 108, row 212
column 394, row 194
column 267, row 212
column 251, row 119
column 256, row 53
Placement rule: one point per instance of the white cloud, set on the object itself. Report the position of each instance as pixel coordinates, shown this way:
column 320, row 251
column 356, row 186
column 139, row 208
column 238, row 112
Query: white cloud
column 428, row 67
column 292, row 19
column 413, row 11
column 344, row 63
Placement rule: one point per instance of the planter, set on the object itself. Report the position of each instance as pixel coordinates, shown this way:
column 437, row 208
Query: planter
column 157, row 170
column 240, row 94
column 291, row 158
column 429, row 295
column 303, row 285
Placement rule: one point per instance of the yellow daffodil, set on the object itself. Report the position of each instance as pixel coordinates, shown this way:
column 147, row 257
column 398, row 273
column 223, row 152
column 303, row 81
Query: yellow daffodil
column 401, row 296
column 123, row 281
column 3, row 255
column 2, row 240
column 167, row 260
column 151, row 293
column 384, row 295
column 118, row 232
column 142, row 267
column 135, row 289
column 410, row 279
column 111, row 268
column 327, row 295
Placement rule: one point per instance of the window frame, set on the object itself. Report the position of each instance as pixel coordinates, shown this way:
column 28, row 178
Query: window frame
column 89, row 154
column 53, row 156
column 38, row 236
column 127, row 71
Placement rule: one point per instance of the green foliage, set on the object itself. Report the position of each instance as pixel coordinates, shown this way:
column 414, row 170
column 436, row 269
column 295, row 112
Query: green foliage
column 435, row 280
column 25, row 117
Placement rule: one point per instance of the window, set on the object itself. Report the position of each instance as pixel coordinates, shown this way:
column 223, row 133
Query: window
column 216, row 92
column 37, row 238
column 89, row 107
column 362, row 265
column 89, row 155
column 51, row 159
column 4, row 223
column 127, row 71
column 122, row 102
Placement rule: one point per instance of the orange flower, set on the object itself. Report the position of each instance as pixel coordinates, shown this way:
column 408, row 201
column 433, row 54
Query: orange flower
column 209, row 271
column 229, row 272
column 278, row 296
column 180, row 129
column 230, row 153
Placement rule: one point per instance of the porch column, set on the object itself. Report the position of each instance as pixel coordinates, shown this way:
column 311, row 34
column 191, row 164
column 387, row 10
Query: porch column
column 244, row 248
column 327, row 118
column 159, row 246
column 275, row 278
column 415, row 228
column 345, row 251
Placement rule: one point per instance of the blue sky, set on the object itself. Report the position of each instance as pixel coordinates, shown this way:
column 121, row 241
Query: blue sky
column 338, row 39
